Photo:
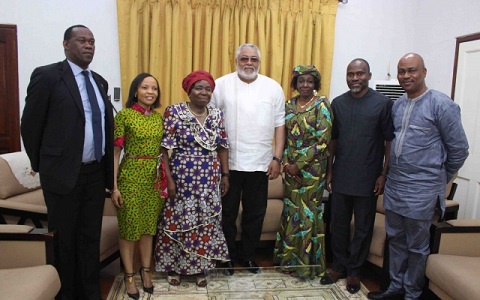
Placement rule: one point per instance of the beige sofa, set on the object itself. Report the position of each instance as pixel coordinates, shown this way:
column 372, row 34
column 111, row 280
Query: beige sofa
column 26, row 256
column 22, row 205
column 453, row 267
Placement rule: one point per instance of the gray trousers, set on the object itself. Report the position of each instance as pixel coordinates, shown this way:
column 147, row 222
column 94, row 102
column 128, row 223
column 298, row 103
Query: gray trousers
column 409, row 248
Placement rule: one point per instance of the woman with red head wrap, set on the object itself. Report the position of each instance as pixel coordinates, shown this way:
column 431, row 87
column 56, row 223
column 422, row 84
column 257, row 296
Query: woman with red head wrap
column 190, row 239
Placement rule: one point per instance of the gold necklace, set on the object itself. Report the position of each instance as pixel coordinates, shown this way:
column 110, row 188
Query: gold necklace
column 197, row 115
column 303, row 106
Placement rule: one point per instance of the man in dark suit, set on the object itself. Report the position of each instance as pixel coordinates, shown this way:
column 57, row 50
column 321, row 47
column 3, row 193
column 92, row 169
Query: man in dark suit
column 67, row 131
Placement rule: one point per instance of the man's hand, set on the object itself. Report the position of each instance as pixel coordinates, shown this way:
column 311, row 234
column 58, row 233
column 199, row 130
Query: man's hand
column 273, row 170
column 379, row 185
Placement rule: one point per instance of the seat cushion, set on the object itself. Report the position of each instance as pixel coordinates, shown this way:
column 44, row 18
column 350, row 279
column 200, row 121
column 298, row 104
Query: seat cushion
column 31, row 283
column 108, row 237
column 270, row 222
column 377, row 247
column 275, row 188
column 457, row 276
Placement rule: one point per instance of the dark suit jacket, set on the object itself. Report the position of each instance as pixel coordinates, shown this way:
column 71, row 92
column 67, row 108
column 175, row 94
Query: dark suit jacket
column 53, row 127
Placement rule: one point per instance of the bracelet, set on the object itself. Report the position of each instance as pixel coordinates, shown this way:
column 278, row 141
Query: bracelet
column 277, row 160
column 114, row 191
column 225, row 174
column 384, row 175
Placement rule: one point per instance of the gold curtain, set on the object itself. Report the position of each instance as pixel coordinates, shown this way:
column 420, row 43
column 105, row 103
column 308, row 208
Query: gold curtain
column 171, row 38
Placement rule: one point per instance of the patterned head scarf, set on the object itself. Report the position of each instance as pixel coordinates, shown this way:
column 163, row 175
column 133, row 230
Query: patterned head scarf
column 306, row 69
column 195, row 76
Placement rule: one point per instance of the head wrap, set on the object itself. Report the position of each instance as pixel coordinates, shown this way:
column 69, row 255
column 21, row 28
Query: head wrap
column 306, row 69
column 195, row 76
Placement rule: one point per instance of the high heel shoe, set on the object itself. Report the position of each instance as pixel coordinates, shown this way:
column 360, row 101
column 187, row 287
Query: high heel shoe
column 145, row 289
column 128, row 278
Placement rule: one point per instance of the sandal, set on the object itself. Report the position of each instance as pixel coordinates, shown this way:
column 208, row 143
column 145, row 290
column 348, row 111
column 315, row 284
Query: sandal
column 143, row 270
column 201, row 280
column 128, row 278
column 173, row 278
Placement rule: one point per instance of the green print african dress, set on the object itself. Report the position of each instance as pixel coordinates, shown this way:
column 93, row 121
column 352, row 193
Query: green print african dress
column 139, row 132
column 301, row 235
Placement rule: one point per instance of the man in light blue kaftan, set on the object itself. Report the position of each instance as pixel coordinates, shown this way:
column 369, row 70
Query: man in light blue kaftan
column 429, row 147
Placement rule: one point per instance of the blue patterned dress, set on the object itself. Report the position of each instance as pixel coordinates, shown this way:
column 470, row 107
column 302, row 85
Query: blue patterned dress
column 301, row 236
column 190, row 238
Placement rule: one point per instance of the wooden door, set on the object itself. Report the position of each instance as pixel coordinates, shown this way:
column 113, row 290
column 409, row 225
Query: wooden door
column 466, row 92
column 9, row 100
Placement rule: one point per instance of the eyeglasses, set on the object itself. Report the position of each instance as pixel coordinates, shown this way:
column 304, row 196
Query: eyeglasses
column 245, row 59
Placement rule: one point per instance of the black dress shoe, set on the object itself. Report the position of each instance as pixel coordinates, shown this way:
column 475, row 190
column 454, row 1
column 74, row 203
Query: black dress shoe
column 385, row 295
column 331, row 277
column 353, row 284
column 251, row 266
column 228, row 269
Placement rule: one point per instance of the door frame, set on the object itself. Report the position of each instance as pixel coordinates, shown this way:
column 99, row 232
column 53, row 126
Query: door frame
column 10, row 139
column 461, row 39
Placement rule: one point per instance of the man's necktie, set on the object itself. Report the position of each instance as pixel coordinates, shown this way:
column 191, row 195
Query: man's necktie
column 96, row 117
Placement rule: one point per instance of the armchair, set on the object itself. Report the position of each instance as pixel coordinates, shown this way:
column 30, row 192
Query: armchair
column 453, row 266
column 26, row 256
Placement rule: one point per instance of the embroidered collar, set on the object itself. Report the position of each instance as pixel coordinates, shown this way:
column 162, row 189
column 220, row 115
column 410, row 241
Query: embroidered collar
column 419, row 97
column 141, row 109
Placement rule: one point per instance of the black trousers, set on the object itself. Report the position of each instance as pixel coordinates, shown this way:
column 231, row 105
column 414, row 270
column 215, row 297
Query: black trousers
column 77, row 218
column 252, row 189
column 350, row 254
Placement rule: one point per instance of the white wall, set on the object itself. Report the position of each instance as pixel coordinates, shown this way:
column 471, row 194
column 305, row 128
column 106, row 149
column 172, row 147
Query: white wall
column 40, row 29
column 438, row 24
column 381, row 31
column 369, row 29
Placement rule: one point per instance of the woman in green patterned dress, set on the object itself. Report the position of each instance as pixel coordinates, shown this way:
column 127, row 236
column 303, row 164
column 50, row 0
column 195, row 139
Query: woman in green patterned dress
column 138, row 131
column 300, row 244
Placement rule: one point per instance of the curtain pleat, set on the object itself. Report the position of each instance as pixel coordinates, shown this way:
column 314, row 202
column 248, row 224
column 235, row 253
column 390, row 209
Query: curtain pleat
column 171, row 38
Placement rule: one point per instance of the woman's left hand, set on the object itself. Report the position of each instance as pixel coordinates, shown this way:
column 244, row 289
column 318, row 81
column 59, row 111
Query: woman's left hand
column 292, row 171
column 171, row 189
column 224, row 185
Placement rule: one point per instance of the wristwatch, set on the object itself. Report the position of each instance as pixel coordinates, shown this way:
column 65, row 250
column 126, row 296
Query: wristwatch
column 279, row 160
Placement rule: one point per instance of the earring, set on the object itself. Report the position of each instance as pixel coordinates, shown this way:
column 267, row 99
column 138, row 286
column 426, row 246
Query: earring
column 135, row 95
column 314, row 92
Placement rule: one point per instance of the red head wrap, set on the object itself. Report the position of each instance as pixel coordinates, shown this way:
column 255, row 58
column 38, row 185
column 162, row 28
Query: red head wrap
column 195, row 76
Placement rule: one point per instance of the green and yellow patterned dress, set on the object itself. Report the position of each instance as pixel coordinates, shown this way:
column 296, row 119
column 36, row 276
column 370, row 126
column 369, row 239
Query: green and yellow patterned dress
column 301, row 236
column 139, row 132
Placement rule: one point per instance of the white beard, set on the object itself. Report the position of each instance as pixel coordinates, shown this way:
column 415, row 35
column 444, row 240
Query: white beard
column 247, row 76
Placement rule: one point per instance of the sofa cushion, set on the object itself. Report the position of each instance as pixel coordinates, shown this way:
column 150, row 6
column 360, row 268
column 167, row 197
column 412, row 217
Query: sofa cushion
column 108, row 237
column 377, row 247
column 455, row 275
column 9, row 184
column 31, row 283
column 275, row 188
column 380, row 208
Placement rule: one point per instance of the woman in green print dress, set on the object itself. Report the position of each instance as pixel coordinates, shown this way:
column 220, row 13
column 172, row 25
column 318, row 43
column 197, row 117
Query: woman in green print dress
column 308, row 120
column 138, row 131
